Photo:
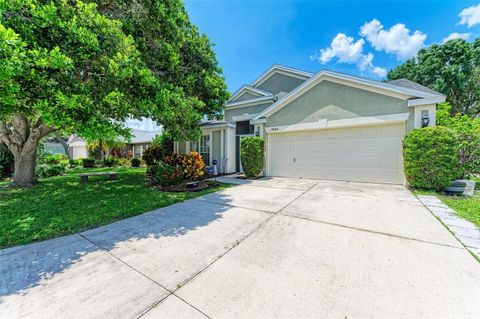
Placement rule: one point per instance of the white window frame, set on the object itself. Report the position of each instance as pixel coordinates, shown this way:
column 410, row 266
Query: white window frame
column 141, row 150
column 204, row 147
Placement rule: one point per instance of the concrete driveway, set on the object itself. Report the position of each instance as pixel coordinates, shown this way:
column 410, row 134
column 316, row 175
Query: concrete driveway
column 272, row 248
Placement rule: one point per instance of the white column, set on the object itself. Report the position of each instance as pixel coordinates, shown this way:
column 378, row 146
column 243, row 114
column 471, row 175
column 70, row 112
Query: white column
column 210, row 148
column 222, row 150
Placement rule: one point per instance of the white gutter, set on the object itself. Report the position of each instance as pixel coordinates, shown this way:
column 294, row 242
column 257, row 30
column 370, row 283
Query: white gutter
column 325, row 124
column 432, row 100
column 247, row 102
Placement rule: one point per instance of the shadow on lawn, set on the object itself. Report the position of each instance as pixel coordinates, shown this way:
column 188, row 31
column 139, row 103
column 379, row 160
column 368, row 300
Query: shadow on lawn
column 25, row 267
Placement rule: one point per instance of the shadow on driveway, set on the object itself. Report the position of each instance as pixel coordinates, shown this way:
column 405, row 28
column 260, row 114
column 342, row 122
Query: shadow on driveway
column 25, row 267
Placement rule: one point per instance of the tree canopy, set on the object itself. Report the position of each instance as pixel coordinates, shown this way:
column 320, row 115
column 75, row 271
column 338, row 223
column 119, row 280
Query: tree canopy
column 66, row 66
column 452, row 68
column 173, row 49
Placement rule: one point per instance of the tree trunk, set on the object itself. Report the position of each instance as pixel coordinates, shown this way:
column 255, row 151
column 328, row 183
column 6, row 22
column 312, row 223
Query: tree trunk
column 22, row 137
column 24, row 175
column 64, row 144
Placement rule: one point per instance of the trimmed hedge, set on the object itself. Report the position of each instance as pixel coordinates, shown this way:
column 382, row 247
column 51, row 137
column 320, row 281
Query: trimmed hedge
column 88, row 162
column 136, row 162
column 251, row 154
column 49, row 170
column 430, row 157
column 110, row 161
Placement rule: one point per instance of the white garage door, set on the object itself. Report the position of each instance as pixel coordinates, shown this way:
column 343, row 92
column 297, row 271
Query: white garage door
column 368, row 154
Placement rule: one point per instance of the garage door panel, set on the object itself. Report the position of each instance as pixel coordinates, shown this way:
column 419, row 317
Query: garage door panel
column 309, row 136
column 371, row 154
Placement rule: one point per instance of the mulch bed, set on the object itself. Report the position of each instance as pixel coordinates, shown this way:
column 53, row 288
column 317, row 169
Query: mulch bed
column 188, row 187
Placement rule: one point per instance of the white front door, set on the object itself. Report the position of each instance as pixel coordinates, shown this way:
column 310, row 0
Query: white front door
column 368, row 154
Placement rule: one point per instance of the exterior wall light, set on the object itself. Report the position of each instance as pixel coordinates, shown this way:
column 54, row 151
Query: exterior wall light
column 425, row 118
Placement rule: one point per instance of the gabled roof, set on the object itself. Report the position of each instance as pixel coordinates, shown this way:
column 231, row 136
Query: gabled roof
column 277, row 68
column 398, row 91
column 249, row 89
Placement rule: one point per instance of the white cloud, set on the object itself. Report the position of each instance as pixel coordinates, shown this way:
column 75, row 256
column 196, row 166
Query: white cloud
column 380, row 72
column 397, row 40
column 470, row 16
column 456, row 35
column 346, row 50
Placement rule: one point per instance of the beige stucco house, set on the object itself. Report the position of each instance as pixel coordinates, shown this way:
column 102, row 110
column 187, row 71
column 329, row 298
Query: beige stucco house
column 326, row 125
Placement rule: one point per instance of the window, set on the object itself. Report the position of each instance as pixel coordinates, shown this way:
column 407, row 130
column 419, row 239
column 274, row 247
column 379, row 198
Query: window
column 204, row 148
column 193, row 146
column 137, row 150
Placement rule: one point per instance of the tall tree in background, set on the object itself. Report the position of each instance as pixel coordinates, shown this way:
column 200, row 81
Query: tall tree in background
column 66, row 67
column 452, row 68
column 173, row 49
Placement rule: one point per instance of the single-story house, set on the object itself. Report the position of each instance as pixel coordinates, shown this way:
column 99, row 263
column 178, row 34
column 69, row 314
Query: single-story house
column 134, row 148
column 326, row 125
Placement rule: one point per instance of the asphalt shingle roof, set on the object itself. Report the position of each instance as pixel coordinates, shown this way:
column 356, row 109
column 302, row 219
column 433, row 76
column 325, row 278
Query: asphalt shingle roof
column 411, row 85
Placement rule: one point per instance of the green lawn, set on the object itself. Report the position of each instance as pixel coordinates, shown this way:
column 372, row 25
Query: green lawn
column 61, row 205
column 465, row 207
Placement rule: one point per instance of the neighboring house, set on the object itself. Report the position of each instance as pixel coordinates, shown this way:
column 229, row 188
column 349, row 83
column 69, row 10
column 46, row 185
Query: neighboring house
column 326, row 125
column 52, row 147
column 134, row 148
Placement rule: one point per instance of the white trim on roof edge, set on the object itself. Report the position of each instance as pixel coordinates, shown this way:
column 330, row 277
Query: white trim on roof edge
column 245, row 88
column 433, row 100
column 378, row 87
column 244, row 117
column 279, row 68
column 248, row 102
column 258, row 121
column 326, row 124
column 218, row 125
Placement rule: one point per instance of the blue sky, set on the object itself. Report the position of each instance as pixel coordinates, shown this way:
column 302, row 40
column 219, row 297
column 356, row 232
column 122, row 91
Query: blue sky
column 364, row 38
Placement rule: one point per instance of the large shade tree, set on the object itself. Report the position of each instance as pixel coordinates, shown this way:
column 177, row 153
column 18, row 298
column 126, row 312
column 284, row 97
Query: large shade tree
column 173, row 49
column 452, row 68
column 66, row 67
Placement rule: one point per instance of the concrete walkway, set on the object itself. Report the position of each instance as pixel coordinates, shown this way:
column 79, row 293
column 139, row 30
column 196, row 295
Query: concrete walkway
column 466, row 232
column 270, row 248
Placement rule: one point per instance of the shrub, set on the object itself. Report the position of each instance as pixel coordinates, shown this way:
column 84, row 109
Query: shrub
column 153, row 154
column 98, row 163
column 165, row 142
column 49, row 170
column 251, row 154
column 136, row 162
column 56, row 159
column 430, row 157
column 192, row 165
column 110, row 161
column 88, row 162
column 73, row 163
column 165, row 174
column 468, row 134
column 123, row 162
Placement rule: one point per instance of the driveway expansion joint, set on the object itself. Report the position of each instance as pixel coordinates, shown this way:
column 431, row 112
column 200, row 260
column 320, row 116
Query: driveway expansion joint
column 373, row 231
column 125, row 263
column 238, row 242
column 234, row 206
